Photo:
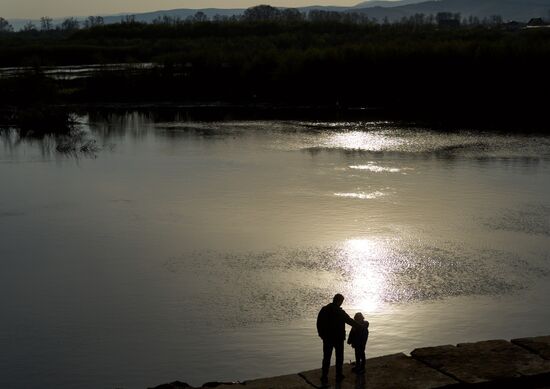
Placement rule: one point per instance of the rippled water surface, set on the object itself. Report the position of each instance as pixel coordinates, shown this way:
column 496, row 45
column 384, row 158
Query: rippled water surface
column 203, row 251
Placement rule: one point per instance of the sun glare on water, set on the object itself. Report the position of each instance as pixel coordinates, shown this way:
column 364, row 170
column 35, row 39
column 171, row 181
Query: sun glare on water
column 361, row 140
column 360, row 195
column 365, row 261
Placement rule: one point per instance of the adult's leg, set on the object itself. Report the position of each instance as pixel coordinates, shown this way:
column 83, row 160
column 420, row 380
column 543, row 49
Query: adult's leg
column 327, row 354
column 339, row 350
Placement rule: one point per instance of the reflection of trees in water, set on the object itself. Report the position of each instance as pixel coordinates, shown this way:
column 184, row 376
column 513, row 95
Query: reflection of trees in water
column 75, row 143
column 118, row 123
column 69, row 140
column 12, row 139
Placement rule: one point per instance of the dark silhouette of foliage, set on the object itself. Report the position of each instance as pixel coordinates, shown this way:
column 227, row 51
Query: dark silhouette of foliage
column 262, row 13
column 93, row 21
column 414, row 69
column 46, row 23
column 29, row 27
column 5, row 26
column 70, row 24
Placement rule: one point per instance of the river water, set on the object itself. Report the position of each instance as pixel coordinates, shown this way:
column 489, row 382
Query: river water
column 203, row 251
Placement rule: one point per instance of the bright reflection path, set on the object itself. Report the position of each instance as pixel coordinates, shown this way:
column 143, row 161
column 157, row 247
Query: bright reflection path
column 361, row 195
column 375, row 168
column 360, row 140
column 365, row 261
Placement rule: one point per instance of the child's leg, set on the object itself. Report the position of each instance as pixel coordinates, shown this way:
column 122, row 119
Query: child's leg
column 357, row 357
column 362, row 359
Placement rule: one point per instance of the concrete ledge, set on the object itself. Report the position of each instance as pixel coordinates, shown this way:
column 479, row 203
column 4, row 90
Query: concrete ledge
column 390, row 371
column 539, row 345
column 485, row 361
column 521, row 363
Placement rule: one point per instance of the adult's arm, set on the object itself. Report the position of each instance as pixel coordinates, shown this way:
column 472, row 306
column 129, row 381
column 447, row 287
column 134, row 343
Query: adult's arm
column 349, row 320
column 321, row 323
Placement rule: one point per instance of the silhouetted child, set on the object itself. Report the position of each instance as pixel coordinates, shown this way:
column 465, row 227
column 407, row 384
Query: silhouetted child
column 358, row 337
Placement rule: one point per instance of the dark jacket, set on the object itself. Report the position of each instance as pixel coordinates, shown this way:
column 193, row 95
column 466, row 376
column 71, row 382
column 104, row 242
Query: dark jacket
column 358, row 336
column 331, row 323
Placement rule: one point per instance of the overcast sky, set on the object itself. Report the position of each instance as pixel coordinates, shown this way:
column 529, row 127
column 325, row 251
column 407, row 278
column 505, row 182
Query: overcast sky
column 59, row 8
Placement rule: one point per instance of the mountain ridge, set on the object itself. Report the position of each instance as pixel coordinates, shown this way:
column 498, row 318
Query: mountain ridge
column 520, row 10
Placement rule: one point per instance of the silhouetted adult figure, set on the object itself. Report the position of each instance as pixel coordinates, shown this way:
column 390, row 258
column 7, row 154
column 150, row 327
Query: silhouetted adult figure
column 331, row 323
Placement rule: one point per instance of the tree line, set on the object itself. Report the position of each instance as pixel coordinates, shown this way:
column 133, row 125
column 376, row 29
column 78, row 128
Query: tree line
column 259, row 13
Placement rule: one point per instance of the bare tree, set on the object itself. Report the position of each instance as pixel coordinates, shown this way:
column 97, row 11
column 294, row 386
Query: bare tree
column 324, row 16
column 70, row 24
column 128, row 19
column 475, row 21
column 46, row 23
column 448, row 19
column 419, row 19
column 200, row 17
column 220, row 18
column 291, row 15
column 93, row 21
column 168, row 20
column 262, row 12
column 5, row 26
column 443, row 16
column 496, row 20
column 29, row 26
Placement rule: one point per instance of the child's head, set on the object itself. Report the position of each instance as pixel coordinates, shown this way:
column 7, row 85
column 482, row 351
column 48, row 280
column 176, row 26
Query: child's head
column 359, row 317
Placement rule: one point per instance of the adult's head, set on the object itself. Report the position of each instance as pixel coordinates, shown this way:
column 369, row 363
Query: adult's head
column 338, row 299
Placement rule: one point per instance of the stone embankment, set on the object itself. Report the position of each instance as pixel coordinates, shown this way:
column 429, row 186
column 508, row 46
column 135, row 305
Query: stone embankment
column 519, row 363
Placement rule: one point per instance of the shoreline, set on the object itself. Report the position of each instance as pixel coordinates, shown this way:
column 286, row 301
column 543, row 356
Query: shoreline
column 42, row 114
column 518, row 363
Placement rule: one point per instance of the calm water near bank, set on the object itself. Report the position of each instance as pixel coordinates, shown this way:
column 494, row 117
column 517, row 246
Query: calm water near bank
column 202, row 251
column 76, row 71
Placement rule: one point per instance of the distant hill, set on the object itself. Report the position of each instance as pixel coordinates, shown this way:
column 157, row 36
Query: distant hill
column 385, row 3
column 324, row 8
column 181, row 13
column 146, row 17
column 520, row 10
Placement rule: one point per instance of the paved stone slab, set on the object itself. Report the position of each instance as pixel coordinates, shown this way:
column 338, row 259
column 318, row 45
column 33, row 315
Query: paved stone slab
column 313, row 377
column 292, row 381
column 483, row 361
column 539, row 345
column 390, row 371
column 401, row 371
